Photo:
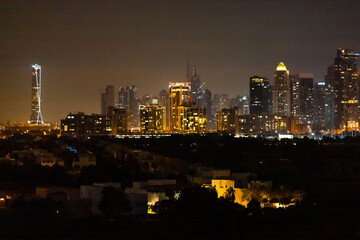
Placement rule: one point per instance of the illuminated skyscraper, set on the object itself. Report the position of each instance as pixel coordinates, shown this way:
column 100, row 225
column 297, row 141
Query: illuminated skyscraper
column 260, row 95
column 191, row 119
column 120, row 120
column 179, row 94
column 295, row 95
column 242, row 102
column 164, row 102
column 227, row 120
column 342, row 101
column 281, row 91
column 127, row 99
column 319, row 106
column 195, row 87
column 152, row 119
column 80, row 125
column 36, row 115
column 220, row 101
column 306, row 86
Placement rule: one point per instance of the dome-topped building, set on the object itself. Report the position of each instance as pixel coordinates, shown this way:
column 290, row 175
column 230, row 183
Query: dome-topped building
column 281, row 67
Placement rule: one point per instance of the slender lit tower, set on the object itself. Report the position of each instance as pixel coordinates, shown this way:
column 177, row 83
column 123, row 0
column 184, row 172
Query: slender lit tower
column 36, row 115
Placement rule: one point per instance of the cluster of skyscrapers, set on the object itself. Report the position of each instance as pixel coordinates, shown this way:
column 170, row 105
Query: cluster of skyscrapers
column 290, row 103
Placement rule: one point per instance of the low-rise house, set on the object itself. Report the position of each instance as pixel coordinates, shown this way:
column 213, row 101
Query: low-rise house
column 155, row 190
column 226, row 187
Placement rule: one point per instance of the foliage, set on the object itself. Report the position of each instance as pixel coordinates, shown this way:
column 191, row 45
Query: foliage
column 114, row 203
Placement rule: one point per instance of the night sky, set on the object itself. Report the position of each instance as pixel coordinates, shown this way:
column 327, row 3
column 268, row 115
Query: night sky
column 83, row 46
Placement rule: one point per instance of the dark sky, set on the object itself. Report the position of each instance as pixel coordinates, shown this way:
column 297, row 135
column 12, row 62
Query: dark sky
column 83, row 46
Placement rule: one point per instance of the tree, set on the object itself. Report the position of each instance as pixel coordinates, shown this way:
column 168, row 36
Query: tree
column 230, row 194
column 114, row 203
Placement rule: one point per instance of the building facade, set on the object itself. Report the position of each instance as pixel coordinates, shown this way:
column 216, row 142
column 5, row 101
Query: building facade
column 79, row 125
column 152, row 119
column 227, row 120
column 260, row 95
column 281, row 91
column 120, row 121
column 306, row 86
column 179, row 95
column 265, row 124
column 127, row 98
column 107, row 99
column 191, row 120
column 319, row 106
column 295, row 95
column 343, row 98
column 195, row 87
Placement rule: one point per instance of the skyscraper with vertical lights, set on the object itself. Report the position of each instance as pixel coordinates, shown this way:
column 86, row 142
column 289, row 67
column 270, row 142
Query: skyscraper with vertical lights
column 343, row 98
column 179, row 95
column 36, row 115
column 260, row 95
column 127, row 98
column 281, row 92
column 319, row 106
column 195, row 87
column 295, row 95
column 306, row 86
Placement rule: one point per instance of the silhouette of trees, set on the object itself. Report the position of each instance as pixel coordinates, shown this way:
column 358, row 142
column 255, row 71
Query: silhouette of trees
column 114, row 203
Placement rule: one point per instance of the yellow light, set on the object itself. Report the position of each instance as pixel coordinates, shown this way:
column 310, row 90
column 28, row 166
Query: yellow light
column 281, row 67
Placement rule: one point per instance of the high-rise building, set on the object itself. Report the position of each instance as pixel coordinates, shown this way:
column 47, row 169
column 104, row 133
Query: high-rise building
column 260, row 95
column 127, row 98
column 343, row 97
column 179, row 94
column 264, row 124
column 220, row 101
column 242, row 102
column 306, row 86
column 164, row 102
column 120, row 120
column 227, row 120
column 207, row 104
column 36, row 114
column 295, row 95
column 281, row 91
column 107, row 99
column 191, row 119
column 195, row 87
column 80, row 125
column 152, row 119
column 319, row 106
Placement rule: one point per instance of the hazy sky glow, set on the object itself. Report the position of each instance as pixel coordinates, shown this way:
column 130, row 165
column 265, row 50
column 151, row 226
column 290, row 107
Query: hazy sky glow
column 83, row 46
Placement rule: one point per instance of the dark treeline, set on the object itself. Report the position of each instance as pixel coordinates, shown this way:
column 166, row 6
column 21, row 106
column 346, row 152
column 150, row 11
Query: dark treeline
column 327, row 171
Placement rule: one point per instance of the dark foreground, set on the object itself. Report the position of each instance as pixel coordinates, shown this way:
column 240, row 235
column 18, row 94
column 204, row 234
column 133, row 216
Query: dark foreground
column 294, row 223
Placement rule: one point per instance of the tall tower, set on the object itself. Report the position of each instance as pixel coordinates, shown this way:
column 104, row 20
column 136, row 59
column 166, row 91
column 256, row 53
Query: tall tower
column 306, row 106
column 319, row 106
column 36, row 115
column 281, row 92
column 343, row 93
column 127, row 98
column 260, row 95
column 107, row 99
column 178, row 96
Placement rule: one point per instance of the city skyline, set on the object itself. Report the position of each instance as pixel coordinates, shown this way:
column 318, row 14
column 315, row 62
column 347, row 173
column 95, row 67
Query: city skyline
column 226, row 57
